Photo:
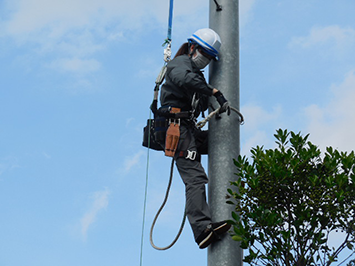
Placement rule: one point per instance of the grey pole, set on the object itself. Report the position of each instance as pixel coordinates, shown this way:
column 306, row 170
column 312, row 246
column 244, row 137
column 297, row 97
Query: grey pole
column 224, row 135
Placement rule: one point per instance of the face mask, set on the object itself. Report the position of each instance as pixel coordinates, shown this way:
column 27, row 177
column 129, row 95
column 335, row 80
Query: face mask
column 200, row 60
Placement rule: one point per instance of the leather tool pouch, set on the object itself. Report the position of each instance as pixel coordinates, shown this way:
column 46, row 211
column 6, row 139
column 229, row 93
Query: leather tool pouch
column 172, row 134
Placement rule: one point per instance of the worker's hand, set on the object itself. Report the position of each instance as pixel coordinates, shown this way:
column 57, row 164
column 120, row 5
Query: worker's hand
column 223, row 103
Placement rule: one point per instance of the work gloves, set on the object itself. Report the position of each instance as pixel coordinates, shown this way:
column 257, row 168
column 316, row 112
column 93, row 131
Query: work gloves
column 223, row 103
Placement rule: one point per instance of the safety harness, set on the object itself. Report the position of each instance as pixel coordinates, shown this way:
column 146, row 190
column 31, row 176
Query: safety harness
column 164, row 129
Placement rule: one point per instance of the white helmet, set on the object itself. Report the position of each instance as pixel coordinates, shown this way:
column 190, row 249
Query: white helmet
column 208, row 40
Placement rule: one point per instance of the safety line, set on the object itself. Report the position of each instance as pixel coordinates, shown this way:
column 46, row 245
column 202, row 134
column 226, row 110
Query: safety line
column 145, row 190
column 170, row 19
column 159, row 211
column 167, row 52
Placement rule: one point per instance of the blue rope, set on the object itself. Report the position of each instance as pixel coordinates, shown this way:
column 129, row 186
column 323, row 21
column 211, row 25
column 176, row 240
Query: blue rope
column 170, row 24
column 170, row 19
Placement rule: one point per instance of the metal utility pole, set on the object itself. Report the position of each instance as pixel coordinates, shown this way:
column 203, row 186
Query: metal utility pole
column 224, row 135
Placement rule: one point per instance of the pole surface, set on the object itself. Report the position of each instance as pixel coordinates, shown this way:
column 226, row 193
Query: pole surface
column 224, row 135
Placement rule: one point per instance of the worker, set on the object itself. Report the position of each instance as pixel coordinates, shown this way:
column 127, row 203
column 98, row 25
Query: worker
column 185, row 88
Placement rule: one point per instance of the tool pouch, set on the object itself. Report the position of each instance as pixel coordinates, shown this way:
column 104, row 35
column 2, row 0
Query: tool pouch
column 172, row 135
column 160, row 128
column 172, row 139
column 149, row 140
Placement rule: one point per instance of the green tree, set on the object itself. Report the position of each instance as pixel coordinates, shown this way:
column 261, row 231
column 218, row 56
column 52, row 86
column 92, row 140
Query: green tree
column 289, row 200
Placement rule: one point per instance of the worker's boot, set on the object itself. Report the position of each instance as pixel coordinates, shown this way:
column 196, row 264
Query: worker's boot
column 206, row 237
column 211, row 233
column 221, row 227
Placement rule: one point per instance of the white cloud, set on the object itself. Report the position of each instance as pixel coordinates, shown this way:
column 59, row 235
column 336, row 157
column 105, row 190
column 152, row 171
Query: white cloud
column 73, row 31
column 80, row 43
column 100, row 202
column 256, row 116
column 149, row 68
column 42, row 20
column 7, row 164
column 333, row 124
column 76, row 65
column 80, row 28
column 318, row 35
column 258, row 138
column 337, row 40
column 57, row 18
column 259, row 126
column 245, row 11
column 132, row 161
column 46, row 155
column 330, row 124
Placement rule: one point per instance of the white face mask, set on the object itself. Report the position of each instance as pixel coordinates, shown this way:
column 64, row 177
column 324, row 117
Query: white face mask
column 200, row 60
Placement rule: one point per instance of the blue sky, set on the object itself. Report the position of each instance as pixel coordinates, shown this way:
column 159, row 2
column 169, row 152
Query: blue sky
column 76, row 81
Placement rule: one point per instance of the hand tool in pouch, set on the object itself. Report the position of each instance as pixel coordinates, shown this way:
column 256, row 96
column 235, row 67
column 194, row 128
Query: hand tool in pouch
column 172, row 134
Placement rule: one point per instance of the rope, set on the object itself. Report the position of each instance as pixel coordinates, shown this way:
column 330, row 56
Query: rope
column 145, row 192
column 158, row 82
column 170, row 19
column 170, row 23
column 159, row 211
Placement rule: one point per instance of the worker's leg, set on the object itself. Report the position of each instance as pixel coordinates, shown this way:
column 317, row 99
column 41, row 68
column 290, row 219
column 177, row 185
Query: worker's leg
column 195, row 179
column 197, row 209
column 201, row 139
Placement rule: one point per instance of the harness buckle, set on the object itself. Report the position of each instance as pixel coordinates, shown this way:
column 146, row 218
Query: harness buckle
column 191, row 155
column 175, row 121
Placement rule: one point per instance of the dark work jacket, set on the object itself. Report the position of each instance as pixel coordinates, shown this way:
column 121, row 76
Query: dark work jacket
column 182, row 80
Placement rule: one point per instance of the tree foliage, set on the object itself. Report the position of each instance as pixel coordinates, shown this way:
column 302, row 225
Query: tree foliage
column 289, row 200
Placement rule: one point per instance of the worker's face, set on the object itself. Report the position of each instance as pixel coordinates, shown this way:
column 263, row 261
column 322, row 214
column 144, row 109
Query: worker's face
column 205, row 54
column 200, row 60
column 201, row 52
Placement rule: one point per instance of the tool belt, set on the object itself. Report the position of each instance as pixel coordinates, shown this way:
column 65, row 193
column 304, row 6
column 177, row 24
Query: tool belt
column 164, row 131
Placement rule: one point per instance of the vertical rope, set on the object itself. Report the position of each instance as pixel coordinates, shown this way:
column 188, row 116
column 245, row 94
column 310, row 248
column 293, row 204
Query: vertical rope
column 170, row 24
column 167, row 56
column 145, row 191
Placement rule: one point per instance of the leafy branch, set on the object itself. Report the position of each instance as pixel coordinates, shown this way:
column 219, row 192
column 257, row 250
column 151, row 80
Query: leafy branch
column 289, row 199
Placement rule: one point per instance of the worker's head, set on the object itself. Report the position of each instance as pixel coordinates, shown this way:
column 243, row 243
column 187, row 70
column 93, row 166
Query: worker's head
column 208, row 41
column 202, row 46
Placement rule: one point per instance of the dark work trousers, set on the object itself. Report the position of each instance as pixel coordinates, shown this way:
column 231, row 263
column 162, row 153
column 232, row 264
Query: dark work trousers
column 194, row 177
